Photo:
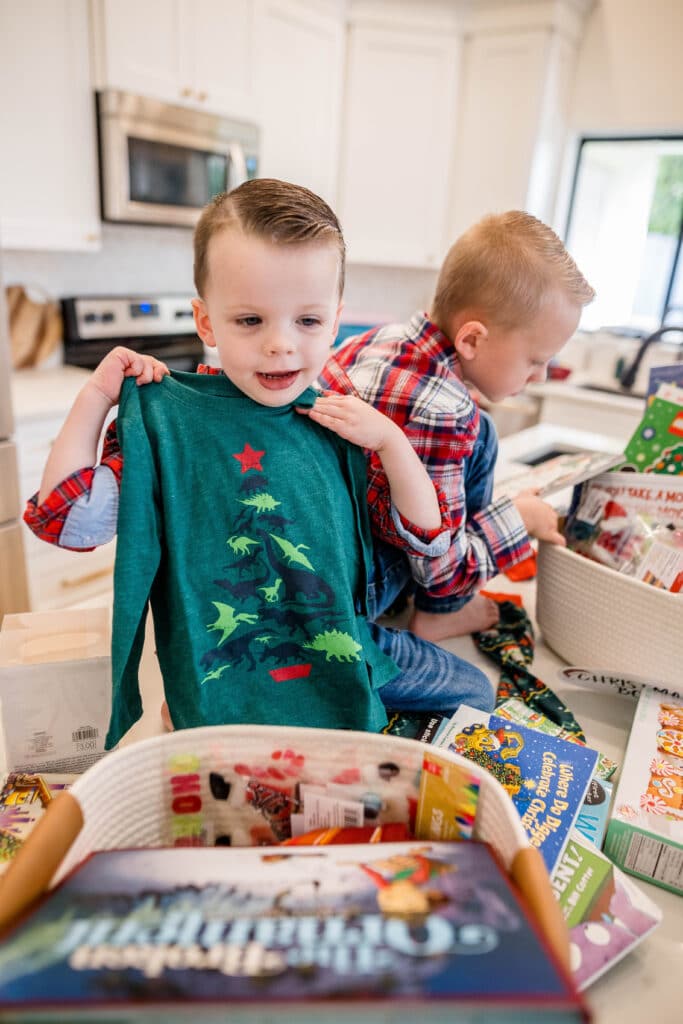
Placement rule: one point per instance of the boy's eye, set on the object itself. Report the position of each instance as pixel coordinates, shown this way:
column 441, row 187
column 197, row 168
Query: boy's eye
column 248, row 321
column 309, row 321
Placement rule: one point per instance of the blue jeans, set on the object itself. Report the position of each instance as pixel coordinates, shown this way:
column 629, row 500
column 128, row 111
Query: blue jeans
column 391, row 570
column 431, row 678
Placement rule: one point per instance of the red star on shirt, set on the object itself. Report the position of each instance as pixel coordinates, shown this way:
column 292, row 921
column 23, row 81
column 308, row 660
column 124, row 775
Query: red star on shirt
column 249, row 459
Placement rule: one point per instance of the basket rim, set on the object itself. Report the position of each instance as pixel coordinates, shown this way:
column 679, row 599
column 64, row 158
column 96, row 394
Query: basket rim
column 620, row 579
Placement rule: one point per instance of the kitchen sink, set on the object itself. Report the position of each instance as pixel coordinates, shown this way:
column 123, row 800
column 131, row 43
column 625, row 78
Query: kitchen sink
column 609, row 390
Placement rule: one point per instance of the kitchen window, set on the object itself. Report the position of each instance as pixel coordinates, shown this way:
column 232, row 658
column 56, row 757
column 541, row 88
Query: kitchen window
column 624, row 228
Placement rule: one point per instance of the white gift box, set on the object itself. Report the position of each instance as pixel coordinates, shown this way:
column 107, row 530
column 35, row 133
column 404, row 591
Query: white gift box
column 55, row 689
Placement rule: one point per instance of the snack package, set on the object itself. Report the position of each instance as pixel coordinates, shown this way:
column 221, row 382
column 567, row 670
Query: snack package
column 604, row 530
column 660, row 561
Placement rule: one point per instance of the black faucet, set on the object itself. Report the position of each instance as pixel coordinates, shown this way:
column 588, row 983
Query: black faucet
column 628, row 375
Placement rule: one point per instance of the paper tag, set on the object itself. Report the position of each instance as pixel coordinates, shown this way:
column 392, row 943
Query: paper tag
column 620, row 683
column 662, row 566
column 329, row 812
column 447, row 803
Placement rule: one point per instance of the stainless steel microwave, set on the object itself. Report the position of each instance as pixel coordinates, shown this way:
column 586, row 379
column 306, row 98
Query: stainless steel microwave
column 161, row 164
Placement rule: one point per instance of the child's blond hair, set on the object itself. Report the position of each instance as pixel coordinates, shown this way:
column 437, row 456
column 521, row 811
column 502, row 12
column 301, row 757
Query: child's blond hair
column 273, row 210
column 503, row 268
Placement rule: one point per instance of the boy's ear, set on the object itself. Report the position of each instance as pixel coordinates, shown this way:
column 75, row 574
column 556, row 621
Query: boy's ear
column 203, row 323
column 468, row 338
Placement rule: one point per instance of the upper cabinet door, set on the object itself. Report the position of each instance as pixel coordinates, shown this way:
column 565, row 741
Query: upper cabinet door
column 300, row 85
column 399, row 122
column 194, row 52
column 48, row 170
column 219, row 42
column 139, row 48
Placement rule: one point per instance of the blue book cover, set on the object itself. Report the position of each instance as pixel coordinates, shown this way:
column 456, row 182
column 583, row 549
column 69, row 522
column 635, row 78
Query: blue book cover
column 546, row 777
column 392, row 932
column 672, row 374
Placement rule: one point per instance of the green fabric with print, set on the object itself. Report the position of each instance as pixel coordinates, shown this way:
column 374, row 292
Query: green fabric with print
column 246, row 528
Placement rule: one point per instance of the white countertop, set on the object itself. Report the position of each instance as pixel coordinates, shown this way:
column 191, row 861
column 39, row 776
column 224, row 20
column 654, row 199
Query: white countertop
column 43, row 393
column 577, row 388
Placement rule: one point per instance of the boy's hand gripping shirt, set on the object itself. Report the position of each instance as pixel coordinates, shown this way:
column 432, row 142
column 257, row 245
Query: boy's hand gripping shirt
column 246, row 528
column 407, row 371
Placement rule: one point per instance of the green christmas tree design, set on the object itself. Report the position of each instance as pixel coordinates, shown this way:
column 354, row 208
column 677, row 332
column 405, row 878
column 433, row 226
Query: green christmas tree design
column 272, row 612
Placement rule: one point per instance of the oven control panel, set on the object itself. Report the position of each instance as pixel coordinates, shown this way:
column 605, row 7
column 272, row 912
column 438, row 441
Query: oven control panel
column 95, row 317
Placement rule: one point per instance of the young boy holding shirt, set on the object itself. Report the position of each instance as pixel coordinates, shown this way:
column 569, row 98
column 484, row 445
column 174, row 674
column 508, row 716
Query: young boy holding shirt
column 508, row 297
column 240, row 496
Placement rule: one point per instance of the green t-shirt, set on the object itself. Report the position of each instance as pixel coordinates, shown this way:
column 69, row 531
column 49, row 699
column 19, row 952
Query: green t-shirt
column 246, row 529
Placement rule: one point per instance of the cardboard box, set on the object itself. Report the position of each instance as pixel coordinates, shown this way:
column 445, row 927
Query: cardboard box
column 645, row 832
column 55, row 689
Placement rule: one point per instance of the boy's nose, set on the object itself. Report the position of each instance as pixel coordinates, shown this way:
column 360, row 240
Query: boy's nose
column 279, row 342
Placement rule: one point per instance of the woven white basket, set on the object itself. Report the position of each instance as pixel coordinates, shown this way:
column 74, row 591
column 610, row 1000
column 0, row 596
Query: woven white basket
column 126, row 798
column 595, row 617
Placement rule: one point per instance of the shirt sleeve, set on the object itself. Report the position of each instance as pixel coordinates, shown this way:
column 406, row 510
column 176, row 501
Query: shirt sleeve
column 81, row 512
column 489, row 542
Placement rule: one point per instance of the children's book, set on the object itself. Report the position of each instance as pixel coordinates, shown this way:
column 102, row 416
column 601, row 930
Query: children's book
column 672, row 374
column 657, row 442
column 546, row 777
column 415, row 725
column 555, row 474
column 645, row 831
column 410, row 931
column 625, row 495
column 607, row 913
column 23, row 800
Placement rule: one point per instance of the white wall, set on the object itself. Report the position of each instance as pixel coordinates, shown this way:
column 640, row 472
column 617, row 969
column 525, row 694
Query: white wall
column 143, row 259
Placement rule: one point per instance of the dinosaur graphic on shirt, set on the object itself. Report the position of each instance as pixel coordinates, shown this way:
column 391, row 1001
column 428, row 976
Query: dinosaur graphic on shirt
column 241, row 545
column 336, row 645
column 228, row 620
column 292, row 552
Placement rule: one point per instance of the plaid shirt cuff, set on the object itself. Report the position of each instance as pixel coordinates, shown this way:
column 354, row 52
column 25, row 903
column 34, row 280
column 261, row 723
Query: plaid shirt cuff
column 47, row 521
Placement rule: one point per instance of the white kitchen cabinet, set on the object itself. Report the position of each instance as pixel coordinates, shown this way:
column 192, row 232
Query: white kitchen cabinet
column 300, row 66
column 518, row 69
column 48, row 169
column 399, row 121
column 56, row 578
column 198, row 53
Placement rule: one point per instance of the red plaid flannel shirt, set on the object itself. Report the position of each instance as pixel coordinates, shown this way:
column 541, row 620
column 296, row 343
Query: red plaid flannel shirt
column 408, row 372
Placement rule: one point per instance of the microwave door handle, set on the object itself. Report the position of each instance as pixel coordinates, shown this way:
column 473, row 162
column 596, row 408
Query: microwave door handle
column 237, row 167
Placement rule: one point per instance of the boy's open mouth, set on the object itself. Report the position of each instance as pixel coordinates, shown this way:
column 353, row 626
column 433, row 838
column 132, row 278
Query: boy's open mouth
column 278, row 381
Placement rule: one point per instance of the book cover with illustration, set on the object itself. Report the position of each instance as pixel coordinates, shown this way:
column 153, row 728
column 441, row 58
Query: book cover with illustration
column 547, row 777
column 23, row 799
column 340, row 932
column 645, row 830
column 657, row 442
column 606, row 912
column 556, row 473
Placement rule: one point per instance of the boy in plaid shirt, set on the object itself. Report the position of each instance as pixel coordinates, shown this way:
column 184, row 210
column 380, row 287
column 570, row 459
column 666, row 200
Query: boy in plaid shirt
column 507, row 299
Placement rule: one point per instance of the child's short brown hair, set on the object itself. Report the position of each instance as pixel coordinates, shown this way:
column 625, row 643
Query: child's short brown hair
column 502, row 268
column 274, row 210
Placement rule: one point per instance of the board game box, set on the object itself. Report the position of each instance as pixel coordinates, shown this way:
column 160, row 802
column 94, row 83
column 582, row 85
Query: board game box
column 645, row 831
